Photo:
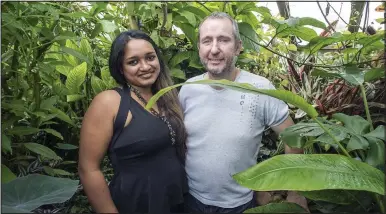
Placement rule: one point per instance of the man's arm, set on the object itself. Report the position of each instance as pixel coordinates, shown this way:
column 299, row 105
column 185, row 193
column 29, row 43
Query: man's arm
column 292, row 196
column 278, row 129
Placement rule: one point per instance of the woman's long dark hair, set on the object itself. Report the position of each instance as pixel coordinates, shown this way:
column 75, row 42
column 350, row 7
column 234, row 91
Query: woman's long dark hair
column 168, row 103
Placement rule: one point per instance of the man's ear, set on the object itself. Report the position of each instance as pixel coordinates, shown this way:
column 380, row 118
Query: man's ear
column 239, row 47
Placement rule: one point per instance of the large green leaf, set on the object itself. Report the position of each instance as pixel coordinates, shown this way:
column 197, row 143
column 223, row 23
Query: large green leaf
column 333, row 196
column 76, row 77
column 107, row 26
column 32, row 191
column 283, row 207
column 6, row 174
column 355, row 123
column 189, row 16
column 379, row 132
column 374, row 74
column 5, row 144
column 295, row 135
column 190, row 33
column 76, row 54
column 86, row 50
column 315, row 171
column 23, row 130
column 97, row 84
column 248, row 36
column 178, row 73
column 284, row 95
column 65, row 146
column 312, row 22
column 62, row 116
column 376, row 154
column 42, row 150
column 179, row 57
column 54, row 132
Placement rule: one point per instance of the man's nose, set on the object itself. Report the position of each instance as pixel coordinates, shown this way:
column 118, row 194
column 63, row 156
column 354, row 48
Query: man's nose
column 214, row 49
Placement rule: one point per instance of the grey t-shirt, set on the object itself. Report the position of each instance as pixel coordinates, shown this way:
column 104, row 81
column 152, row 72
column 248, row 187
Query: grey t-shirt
column 224, row 136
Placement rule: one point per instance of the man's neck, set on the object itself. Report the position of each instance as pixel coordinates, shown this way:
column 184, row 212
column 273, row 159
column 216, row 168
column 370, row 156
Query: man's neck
column 231, row 76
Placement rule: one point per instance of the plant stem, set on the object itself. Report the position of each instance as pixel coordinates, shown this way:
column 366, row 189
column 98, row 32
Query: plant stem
column 363, row 91
column 332, row 136
column 378, row 199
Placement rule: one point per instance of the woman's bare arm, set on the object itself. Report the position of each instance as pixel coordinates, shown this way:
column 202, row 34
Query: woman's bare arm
column 95, row 135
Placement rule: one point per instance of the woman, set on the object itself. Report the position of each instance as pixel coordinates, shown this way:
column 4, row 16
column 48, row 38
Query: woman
column 146, row 149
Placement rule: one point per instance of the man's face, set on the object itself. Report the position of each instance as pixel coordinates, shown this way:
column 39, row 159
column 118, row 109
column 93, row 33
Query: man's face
column 217, row 46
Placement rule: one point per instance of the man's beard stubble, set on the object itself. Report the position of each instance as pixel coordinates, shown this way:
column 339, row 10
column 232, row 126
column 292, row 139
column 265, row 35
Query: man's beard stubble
column 217, row 73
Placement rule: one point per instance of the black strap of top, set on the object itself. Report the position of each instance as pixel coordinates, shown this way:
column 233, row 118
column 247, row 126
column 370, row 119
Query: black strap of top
column 121, row 117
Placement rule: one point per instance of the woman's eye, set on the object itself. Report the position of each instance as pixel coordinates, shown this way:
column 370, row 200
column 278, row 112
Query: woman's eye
column 151, row 57
column 134, row 62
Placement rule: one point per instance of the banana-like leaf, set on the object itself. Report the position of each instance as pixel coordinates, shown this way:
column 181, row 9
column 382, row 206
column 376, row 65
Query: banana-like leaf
column 303, row 172
column 283, row 95
column 27, row 193
column 23, row 130
column 42, row 150
column 76, row 77
column 333, row 196
column 283, row 207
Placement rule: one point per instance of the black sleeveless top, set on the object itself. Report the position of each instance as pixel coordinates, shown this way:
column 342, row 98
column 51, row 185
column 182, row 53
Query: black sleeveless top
column 148, row 175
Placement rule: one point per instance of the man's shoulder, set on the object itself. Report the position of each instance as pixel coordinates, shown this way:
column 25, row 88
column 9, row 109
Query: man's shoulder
column 254, row 79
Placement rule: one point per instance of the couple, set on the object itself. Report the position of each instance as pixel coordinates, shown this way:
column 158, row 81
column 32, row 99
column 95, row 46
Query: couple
column 180, row 156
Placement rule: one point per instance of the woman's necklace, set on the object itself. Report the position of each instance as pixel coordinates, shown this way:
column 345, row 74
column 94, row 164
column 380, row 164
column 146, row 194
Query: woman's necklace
column 163, row 118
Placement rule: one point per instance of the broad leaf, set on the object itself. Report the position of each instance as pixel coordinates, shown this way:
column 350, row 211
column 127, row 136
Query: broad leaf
column 374, row 74
column 53, row 172
column 76, row 77
column 42, row 150
column 353, row 75
column 376, row 154
column 32, row 191
column 76, row 54
column 179, row 57
column 333, row 196
column 284, row 95
column 294, row 136
column 107, row 26
column 312, row 22
column 316, row 172
column 178, row 73
column 23, row 130
column 248, row 36
column 54, row 132
column 97, row 84
column 283, row 207
column 62, row 116
column 190, row 17
column 6, row 174
column 86, row 50
column 49, row 102
column 65, row 146
column 355, row 123
column 74, row 97
column 379, row 132
column 6, row 144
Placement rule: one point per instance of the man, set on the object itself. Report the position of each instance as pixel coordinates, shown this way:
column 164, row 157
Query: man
column 225, row 126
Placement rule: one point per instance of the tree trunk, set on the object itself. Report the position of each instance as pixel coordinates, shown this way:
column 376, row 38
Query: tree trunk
column 356, row 15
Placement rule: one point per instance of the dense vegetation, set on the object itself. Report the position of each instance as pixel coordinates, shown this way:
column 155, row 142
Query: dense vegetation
column 54, row 61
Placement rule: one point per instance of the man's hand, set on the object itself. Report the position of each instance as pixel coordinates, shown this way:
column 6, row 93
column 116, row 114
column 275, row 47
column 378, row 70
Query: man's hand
column 294, row 197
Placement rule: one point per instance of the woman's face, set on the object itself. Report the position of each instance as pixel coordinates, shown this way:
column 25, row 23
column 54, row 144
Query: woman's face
column 140, row 66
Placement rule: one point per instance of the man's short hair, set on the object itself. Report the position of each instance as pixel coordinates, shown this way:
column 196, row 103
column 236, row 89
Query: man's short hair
column 222, row 15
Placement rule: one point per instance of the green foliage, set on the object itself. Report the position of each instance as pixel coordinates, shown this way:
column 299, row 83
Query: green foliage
column 27, row 193
column 316, row 171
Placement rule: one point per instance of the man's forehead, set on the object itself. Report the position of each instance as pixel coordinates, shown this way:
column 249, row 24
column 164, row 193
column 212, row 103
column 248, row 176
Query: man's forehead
column 212, row 25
